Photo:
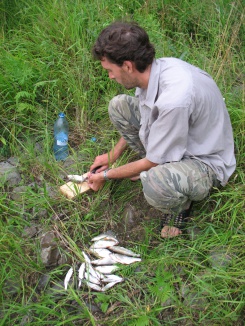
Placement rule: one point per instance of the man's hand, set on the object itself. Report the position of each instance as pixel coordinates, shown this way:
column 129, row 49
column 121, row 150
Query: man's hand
column 95, row 181
column 102, row 162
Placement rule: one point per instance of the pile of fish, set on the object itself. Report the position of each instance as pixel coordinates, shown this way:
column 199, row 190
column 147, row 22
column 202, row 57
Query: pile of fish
column 96, row 274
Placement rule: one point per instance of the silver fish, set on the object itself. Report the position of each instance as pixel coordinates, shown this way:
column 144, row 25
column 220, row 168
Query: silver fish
column 123, row 251
column 104, row 236
column 126, row 260
column 108, row 286
column 68, row 277
column 86, row 258
column 93, row 272
column 100, row 253
column 77, row 178
column 81, row 274
column 93, row 286
column 112, row 278
column 102, row 244
column 106, row 269
column 89, row 277
column 103, row 261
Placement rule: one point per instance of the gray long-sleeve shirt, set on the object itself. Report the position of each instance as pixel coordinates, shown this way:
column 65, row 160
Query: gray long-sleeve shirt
column 183, row 114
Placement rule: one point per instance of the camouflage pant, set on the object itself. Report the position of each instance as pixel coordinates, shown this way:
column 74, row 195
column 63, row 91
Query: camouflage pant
column 169, row 187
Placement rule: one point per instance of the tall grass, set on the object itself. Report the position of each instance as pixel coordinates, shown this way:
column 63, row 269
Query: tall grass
column 46, row 67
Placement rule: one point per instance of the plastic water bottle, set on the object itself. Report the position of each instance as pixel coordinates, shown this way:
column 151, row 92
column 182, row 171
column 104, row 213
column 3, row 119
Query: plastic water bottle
column 61, row 133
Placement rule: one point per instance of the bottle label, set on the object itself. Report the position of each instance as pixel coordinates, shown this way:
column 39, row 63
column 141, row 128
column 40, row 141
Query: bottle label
column 61, row 143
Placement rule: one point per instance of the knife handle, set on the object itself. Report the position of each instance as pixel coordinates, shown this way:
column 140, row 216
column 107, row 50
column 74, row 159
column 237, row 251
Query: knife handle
column 95, row 169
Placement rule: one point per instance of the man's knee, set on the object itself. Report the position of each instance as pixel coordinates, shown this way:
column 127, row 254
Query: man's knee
column 158, row 191
column 117, row 106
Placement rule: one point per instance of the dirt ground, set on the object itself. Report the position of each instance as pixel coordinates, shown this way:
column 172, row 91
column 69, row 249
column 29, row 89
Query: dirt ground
column 137, row 215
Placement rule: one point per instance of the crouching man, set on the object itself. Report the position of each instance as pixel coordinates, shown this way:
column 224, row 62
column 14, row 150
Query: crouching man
column 177, row 122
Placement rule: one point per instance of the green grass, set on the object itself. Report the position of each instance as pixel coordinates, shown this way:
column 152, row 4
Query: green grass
column 46, row 67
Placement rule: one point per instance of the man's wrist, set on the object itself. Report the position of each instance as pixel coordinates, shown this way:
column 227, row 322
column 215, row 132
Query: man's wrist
column 105, row 175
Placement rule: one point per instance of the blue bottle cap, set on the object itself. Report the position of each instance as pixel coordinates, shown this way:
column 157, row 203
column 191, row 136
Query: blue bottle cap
column 61, row 115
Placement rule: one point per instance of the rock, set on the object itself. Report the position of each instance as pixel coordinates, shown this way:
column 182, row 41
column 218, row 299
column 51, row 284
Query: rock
column 9, row 174
column 27, row 319
column 43, row 282
column 193, row 299
column 38, row 148
column 48, row 239
column 12, row 287
column 13, row 160
column 30, row 232
column 219, row 258
column 57, row 290
column 193, row 232
column 51, row 254
column 128, row 216
column 19, row 193
column 49, row 190
column 39, row 212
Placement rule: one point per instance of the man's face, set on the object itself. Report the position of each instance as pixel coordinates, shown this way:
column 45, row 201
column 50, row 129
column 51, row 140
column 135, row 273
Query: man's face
column 119, row 74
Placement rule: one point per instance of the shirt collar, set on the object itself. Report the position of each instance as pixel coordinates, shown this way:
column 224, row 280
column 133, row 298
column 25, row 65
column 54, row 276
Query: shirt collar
column 148, row 96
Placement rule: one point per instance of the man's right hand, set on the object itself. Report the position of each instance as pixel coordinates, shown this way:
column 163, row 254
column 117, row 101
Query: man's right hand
column 100, row 161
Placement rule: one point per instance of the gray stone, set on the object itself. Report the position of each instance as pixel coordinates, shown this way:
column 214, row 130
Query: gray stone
column 9, row 174
column 13, row 160
column 19, row 193
column 30, row 231
column 43, row 282
column 57, row 290
column 12, row 287
column 63, row 259
column 50, row 252
column 128, row 216
column 193, row 299
column 27, row 319
column 48, row 239
column 219, row 258
column 193, row 232
column 38, row 148
column 49, row 190
column 39, row 212
column 50, row 256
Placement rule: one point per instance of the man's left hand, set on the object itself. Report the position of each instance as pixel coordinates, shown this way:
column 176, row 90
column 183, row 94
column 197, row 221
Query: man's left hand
column 95, row 181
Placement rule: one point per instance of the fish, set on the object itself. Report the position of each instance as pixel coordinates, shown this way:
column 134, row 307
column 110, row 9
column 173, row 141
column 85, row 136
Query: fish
column 93, row 286
column 112, row 278
column 100, row 253
column 123, row 251
column 86, row 258
column 104, row 236
column 103, row 244
column 89, row 267
column 103, row 261
column 126, row 260
column 89, row 277
column 106, row 269
column 68, row 277
column 108, row 286
column 76, row 178
column 95, row 273
column 81, row 272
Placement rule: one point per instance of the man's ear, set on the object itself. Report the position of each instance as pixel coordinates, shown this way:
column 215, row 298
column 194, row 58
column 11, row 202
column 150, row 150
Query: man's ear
column 128, row 66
